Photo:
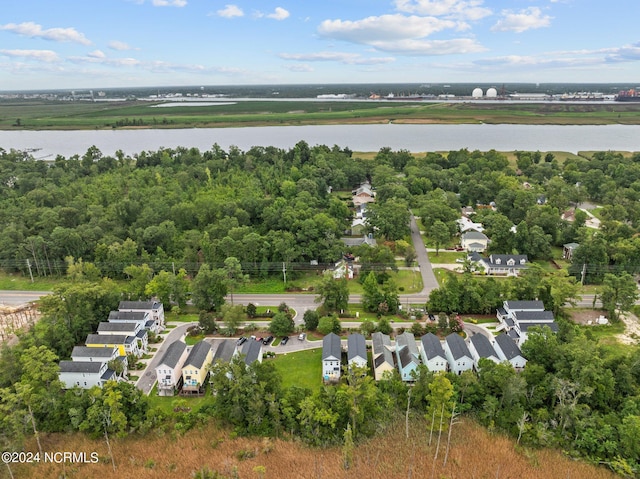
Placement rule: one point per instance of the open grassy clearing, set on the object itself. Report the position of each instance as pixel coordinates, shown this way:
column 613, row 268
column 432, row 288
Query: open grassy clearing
column 446, row 257
column 143, row 114
column 302, row 368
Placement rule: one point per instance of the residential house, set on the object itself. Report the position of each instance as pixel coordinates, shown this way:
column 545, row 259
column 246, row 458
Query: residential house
column 331, row 357
column 140, row 317
column 358, row 227
column 365, row 239
column 154, row 308
column 251, row 351
column 503, row 264
column 568, row 250
column 169, row 370
column 508, row 350
column 407, row 355
column 474, row 241
column 457, row 353
column 84, row 374
column 517, row 317
column 363, row 194
column 465, row 224
column 480, row 348
column 100, row 355
column 383, row 357
column 356, row 350
column 196, row 368
column 433, row 356
column 125, row 344
column 225, row 351
column 130, row 329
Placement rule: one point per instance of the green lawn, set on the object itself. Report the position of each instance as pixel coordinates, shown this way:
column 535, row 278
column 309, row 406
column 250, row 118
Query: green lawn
column 303, row 369
column 166, row 403
column 18, row 282
column 191, row 340
column 446, row 257
column 410, row 280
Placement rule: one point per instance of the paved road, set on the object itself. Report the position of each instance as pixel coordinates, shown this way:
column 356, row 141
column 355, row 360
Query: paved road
column 15, row 298
column 429, row 281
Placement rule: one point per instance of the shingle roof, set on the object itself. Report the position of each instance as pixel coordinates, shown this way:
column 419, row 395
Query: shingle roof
column 379, row 341
column 407, row 340
column 128, row 315
column 331, row 346
column 432, row 346
column 108, row 374
column 457, row 346
column 252, row 349
column 80, row 367
column 513, row 334
column 524, row 305
column 107, row 339
column 85, row 352
column 535, row 316
column 382, row 353
column 406, row 357
column 116, row 327
column 225, row 350
column 139, row 305
column 508, row 346
column 173, row 354
column 482, row 346
column 198, row 354
column 356, row 347
column 474, row 235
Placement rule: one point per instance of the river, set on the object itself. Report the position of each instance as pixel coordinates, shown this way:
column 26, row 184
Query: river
column 415, row 138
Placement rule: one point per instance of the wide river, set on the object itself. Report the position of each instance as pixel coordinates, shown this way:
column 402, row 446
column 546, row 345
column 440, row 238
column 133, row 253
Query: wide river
column 415, row 138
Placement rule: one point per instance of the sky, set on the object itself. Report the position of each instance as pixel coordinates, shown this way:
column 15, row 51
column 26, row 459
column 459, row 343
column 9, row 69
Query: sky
column 89, row 44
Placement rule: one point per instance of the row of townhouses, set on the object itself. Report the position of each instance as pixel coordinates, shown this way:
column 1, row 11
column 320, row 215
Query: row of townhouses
column 453, row 354
column 518, row 317
column 125, row 332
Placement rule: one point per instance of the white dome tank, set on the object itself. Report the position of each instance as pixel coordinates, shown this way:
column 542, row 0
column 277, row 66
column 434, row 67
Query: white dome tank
column 477, row 93
column 492, row 93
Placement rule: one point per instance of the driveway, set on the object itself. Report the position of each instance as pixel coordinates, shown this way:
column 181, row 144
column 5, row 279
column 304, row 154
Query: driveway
column 429, row 281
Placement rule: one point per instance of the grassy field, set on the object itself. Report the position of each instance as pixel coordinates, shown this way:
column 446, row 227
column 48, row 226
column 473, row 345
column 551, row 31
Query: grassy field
column 446, row 257
column 143, row 114
column 17, row 282
column 303, row 368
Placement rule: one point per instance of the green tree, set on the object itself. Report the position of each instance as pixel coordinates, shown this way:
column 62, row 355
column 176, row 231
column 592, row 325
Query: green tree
column 209, row 288
column 233, row 316
column 234, row 275
column 138, row 277
column 333, row 293
column 439, row 401
column 329, row 324
column 619, row 293
column 389, row 219
column 282, row 324
column 440, row 234
column 384, row 326
column 311, row 318
column 160, row 286
column 371, row 295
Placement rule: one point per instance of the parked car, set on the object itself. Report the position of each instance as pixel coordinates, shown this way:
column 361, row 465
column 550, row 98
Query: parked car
column 431, row 317
column 266, row 341
column 241, row 340
column 302, row 336
column 284, row 340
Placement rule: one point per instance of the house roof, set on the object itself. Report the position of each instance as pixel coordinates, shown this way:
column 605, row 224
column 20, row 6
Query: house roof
column 379, row 341
column 149, row 324
column 86, row 352
column 513, row 334
column 407, row 340
column 128, row 315
column 139, row 305
column 252, row 349
column 457, row 346
column 173, row 354
column 501, row 311
column 406, row 358
column 524, row 305
column 116, row 327
column 432, row 346
column 474, row 235
column 482, row 346
column 198, row 354
column 331, row 347
column 356, row 347
column 571, row 245
column 225, row 350
column 80, row 367
column 476, row 245
column 381, row 350
column 533, row 316
column 108, row 374
column 108, row 339
column 508, row 346
column 520, row 260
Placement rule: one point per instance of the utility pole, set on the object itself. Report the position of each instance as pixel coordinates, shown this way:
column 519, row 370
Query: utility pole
column 284, row 272
column 584, row 273
column 30, row 273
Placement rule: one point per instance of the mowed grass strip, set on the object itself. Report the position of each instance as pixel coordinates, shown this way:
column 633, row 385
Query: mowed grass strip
column 302, row 368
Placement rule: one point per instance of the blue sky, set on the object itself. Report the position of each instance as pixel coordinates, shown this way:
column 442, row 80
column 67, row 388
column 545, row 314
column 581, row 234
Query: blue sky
column 78, row 44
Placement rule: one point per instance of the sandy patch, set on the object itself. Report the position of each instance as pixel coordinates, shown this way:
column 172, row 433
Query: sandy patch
column 631, row 333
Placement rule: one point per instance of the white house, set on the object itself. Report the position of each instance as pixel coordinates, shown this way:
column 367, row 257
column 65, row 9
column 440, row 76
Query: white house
column 480, row 347
column 508, row 350
column 383, row 357
column 128, row 328
column 503, row 264
column 169, row 370
column 84, row 374
column 457, row 354
column 125, row 344
column 408, row 356
column 433, row 356
column 154, row 308
column 141, row 317
column 518, row 317
column 356, row 350
column 474, row 241
column 331, row 357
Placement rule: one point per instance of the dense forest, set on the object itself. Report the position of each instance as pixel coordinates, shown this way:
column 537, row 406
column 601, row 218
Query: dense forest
column 99, row 218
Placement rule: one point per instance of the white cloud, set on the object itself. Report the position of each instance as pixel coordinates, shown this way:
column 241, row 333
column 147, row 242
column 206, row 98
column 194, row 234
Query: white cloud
column 38, row 55
column 230, row 11
column 466, row 9
column 279, row 14
column 340, row 57
column 169, row 3
column 627, row 53
column 99, row 57
column 97, row 54
column 527, row 19
column 119, row 46
column 33, row 30
column 300, row 68
column 431, row 47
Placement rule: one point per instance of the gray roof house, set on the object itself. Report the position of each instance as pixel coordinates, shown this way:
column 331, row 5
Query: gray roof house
column 225, row 351
column 508, row 350
column 100, row 355
column 474, row 241
column 153, row 307
column 125, row 344
column 196, row 368
column 252, row 351
column 457, row 353
column 83, row 374
column 356, row 350
column 433, row 356
column 480, row 347
column 169, row 370
column 507, row 264
column 130, row 317
column 408, row 356
column 383, row 357
column 331, row 357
